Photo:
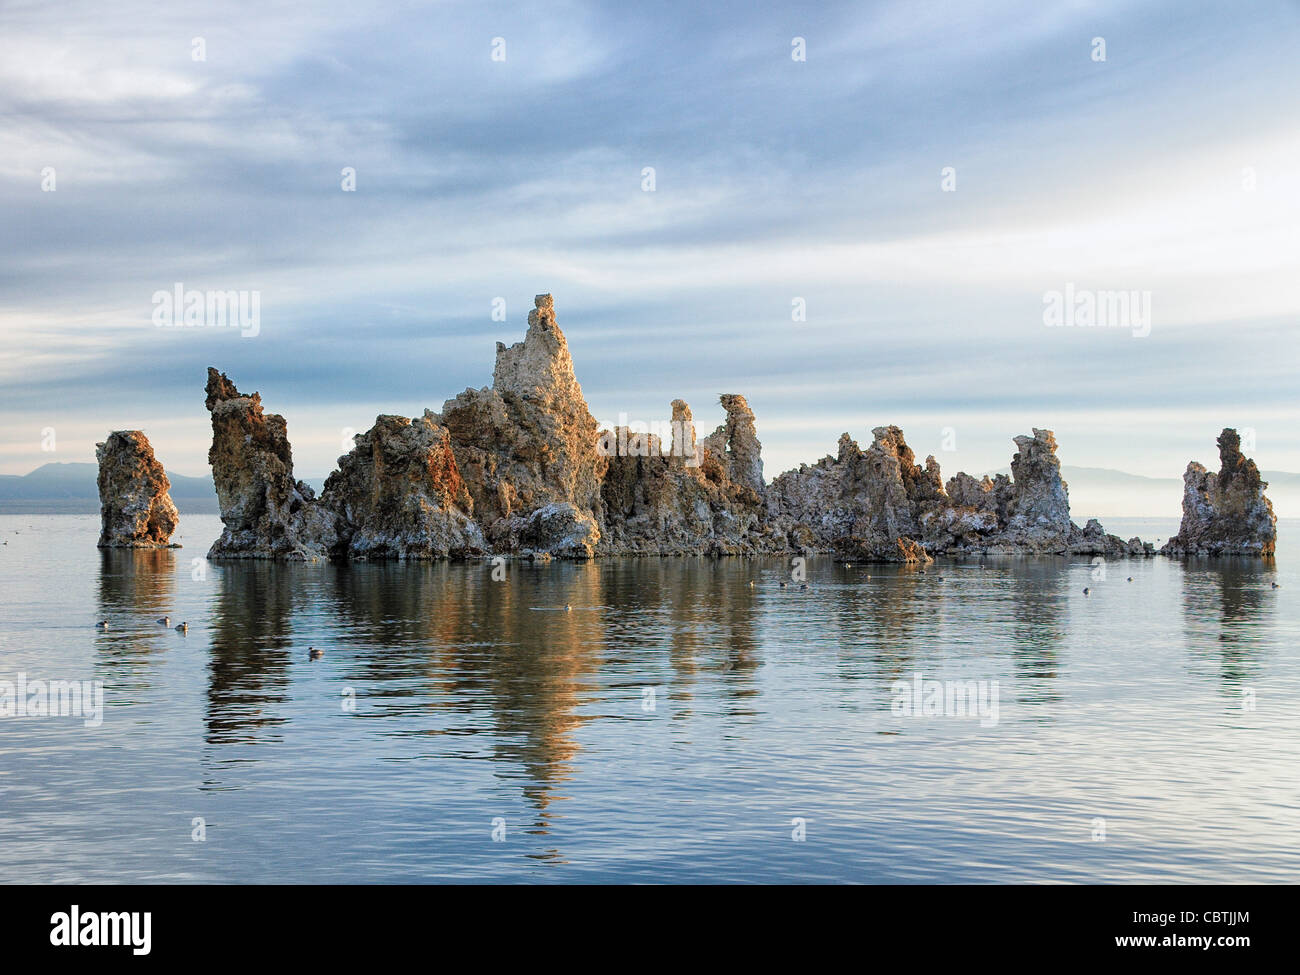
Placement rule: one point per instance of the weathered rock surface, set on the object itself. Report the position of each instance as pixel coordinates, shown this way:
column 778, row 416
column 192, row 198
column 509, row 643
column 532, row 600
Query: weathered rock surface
column 819, row 503
column 529, row 443
column 521, row 467
column 863, row 505
column 700, row 498
column 1040, row 501
column 893, row 493
column 880, row 505
column 135, row 506
column 399, row 495
column 873, row 505
column 267, row 514
column 736, row 446
column 1225, row 513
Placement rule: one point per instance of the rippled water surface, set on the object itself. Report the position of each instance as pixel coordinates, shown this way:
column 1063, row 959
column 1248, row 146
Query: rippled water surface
column 671, row 726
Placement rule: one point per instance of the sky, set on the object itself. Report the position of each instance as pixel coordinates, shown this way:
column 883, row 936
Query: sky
column 919, row 183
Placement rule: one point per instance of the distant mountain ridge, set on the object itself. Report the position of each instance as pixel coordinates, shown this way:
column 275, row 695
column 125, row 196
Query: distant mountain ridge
column 1095, row 492
column 72, row 488
column 1102, row 492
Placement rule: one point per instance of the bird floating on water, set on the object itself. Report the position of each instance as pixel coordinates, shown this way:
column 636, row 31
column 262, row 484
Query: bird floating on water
column 102, row 625
column 182, row 628
column 568, row 608
column 1085, row 590
column 314, row 654
column 165, row 620
column 1276, row 586
column 1130, row 578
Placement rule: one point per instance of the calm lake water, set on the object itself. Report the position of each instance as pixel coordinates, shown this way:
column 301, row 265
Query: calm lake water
column 670, row 727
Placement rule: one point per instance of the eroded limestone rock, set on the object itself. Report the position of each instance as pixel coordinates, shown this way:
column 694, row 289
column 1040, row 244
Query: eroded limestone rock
column 891, row 489
column 267, row 514
column 1032, row 508
column 521, row 468
column 865, row 505
column 135, row 506
column 528, row 443
column 819, row 502
column 735, row 443
column 1040, row 501
column 880, row 505
column 687, row 502
column 1225, row 513
column 399, row 494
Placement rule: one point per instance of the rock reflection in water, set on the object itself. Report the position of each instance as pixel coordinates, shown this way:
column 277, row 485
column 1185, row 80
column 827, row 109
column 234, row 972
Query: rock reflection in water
column 135, row 587
column 671, row 691
column 252, row 647
column 449, row 642
column 1228, row 604
column 1040, row 599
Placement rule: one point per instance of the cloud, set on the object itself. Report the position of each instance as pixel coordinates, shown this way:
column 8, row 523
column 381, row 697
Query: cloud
column 775, row 179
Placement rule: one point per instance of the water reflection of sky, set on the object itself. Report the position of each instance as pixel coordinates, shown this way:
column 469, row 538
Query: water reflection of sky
column 670, row 725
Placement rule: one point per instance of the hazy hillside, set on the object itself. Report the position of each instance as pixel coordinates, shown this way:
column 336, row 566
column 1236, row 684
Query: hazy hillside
column 72, row 489
column 1097, row 492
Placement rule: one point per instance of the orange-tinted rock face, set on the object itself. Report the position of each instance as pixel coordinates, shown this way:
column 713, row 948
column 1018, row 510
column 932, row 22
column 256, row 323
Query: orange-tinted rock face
column 521, row 466
column 399, row 494
column 136, row 510
column 266, row 513
column 687, row 497
column 527, row 446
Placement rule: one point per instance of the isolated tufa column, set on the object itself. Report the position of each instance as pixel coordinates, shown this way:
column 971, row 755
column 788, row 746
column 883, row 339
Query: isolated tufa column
column 135, row 508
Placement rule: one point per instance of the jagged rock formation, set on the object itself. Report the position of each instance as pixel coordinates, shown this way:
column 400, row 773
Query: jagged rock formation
column 683, row 424
column 1033, row 507
column 521, row 467
column 893, row 491
column 399, row 494
column 1225, row 513
column 880, row 505
column 1040, row 503
column 735, row 444
column 874, row 505
column 527, row 447
column 135, row 506
column 266, row 513
column 702, row 498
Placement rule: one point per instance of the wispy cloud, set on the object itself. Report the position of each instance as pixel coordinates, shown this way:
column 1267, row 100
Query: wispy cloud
column 1169, row 168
